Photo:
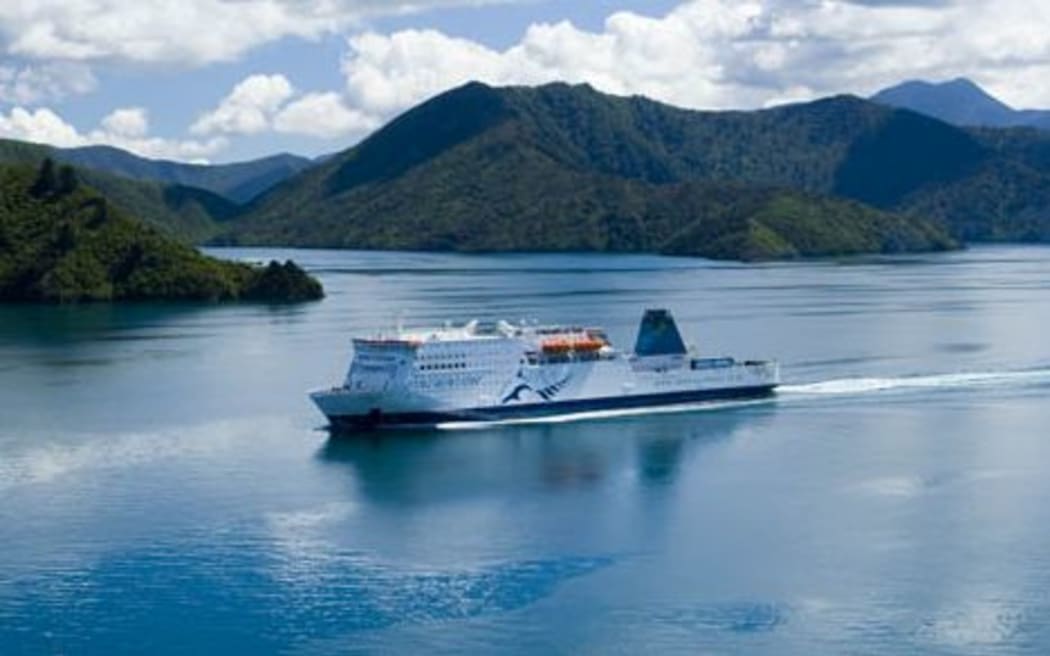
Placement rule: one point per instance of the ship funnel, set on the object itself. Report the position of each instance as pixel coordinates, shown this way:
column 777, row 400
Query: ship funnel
column 658, row 335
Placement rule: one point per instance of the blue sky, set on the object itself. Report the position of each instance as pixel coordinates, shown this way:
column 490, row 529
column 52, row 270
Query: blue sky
column 175, row 95
column 223, row 80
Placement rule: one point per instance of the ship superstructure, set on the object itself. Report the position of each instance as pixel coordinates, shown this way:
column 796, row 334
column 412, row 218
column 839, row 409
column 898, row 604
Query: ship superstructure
column 488, row 371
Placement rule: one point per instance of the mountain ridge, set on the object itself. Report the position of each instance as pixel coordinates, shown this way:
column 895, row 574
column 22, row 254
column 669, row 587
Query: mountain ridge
column 239, row 182
column 898, row 161
column 961, row 102
column 563, row 167
column 187, row 213
column 566, row 167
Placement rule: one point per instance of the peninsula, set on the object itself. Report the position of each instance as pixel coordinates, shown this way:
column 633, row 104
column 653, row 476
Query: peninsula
column 62, row 241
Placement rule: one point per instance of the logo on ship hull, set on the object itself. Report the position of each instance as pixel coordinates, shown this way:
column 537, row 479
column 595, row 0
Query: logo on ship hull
column 545, row 392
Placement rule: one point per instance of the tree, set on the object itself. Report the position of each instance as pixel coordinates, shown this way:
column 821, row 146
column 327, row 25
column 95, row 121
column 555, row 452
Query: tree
column 67, row 237
column 45, row 179
column 99, row 211
column 67, row 180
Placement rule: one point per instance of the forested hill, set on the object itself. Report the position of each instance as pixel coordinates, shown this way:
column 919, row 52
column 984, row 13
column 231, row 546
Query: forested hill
column 61, row 241
column 238, row 182
column 564, row 168
column 187, row 213
column 567, row 168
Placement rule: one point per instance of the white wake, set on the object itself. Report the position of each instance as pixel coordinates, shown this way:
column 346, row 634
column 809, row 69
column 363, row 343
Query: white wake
column 961, row 380
column 786, row 393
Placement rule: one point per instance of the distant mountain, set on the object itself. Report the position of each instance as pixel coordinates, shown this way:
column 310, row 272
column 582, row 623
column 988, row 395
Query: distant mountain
column 188, row 213
column 561, row 168
column 62, row 241
column 240, row 182
column 960, row 102
column 568, row 168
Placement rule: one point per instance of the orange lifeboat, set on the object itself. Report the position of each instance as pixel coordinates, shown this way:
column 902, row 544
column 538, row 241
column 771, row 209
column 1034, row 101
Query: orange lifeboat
column 588, row 344
column 557, row 346
column 566, row 344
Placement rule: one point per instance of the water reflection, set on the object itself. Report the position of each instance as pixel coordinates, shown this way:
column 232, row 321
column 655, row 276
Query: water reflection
column 64, row 325
column 419, row 466
column 172, row 496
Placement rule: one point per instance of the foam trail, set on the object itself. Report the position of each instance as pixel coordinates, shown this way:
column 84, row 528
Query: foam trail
column 855, row 386
column 835, row 387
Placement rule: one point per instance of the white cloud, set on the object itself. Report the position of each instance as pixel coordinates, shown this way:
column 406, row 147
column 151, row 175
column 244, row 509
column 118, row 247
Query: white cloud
column 270, row 103
column 323, row 115
column 703, row 54
column 40, row 126
column 125, row 128
column 726, row 53
column 44, row 82
column 180, row 31
column 384, row 76
column 247, row 109
column 129, row 122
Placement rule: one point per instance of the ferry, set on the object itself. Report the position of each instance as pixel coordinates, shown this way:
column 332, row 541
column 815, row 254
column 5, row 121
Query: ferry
column 492, row 371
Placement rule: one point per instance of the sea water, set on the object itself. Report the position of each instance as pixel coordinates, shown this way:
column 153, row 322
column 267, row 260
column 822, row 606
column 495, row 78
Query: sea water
column 167, row 488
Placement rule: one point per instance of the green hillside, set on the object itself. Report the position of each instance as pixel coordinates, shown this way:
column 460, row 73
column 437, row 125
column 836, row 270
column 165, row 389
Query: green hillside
column 239, row 182
column 490, row 158
column 62, row 241
column 451, row 205
column 190, row 214
column 566, row 168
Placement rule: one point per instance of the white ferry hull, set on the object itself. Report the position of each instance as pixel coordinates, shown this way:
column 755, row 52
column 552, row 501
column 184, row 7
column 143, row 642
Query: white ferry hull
column 348, row 413
column 497, row 372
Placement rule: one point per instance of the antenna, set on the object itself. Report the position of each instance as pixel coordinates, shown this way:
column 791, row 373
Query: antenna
column 400, row 323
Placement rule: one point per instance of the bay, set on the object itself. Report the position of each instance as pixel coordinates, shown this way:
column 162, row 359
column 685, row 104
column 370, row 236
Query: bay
column 167, row 488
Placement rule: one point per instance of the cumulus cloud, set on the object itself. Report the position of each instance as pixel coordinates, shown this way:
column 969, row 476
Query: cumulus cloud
column 247, row 109
column 41, row 126
column 128, row 122
column 726, row 53
column 702, row 54
column 270, row 103
column 183, row 31
column 125, row 128
column 32, row 84
column 323, row 115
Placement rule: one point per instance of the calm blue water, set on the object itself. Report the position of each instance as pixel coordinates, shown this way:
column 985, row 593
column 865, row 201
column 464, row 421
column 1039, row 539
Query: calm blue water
column 165, row 487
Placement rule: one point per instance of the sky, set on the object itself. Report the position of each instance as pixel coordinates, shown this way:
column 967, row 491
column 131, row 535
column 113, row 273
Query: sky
column 228, row 80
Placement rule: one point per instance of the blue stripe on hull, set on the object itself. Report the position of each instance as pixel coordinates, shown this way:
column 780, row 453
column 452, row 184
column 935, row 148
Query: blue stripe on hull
column 496, row 413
